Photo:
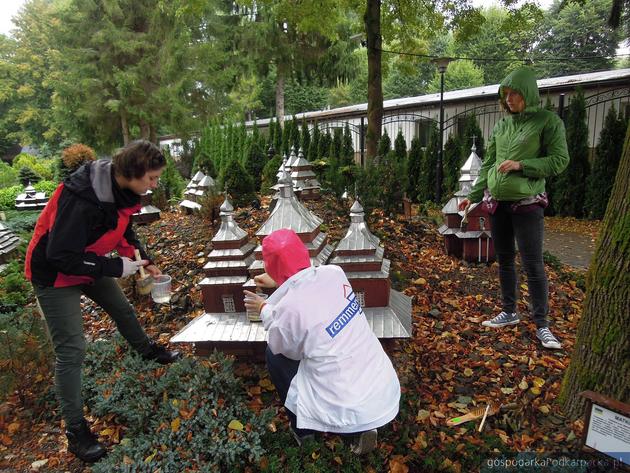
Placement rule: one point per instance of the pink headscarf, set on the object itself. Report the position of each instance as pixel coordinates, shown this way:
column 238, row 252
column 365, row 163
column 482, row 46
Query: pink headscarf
column 284, row 255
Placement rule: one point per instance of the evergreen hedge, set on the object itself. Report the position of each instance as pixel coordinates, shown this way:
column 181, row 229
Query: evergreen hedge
column 239, row 183
column 605, row 164
column 569, row 188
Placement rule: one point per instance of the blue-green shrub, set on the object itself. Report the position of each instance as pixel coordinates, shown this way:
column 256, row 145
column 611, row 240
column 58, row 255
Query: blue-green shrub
column 177, row 416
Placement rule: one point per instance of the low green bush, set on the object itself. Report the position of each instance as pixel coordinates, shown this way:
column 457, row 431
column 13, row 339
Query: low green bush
column 47, row 187
column 8, row 175
column 45, row 168
column 8, row 195
column 177, row 416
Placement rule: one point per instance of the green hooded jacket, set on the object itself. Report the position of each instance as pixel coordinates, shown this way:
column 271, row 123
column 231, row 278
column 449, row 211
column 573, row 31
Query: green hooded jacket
column 535, row 137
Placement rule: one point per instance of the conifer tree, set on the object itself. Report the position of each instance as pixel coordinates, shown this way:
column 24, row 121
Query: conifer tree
column 333, row 179
column 296, row 139
column 570, row 186
column 323, row 147
column 271, row 136
column 384, row 144
column 305, row 139
column 269, row 174
column 277, row 138
column 607, row 156
column 414, row 163
column 203, row 153
column 347, row 148
column 255, row 161
column 426, row 189
column 313, row 148
column 26, row 175
column 239, row 183
column 336, row 144
column 453, row 160
column 400, row 146
column 171, row 183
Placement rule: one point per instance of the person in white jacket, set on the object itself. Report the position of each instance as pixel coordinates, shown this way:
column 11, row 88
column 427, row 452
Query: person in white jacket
column 328, row 367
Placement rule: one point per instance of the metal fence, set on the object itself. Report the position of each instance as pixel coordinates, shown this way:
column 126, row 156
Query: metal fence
column 418, row 122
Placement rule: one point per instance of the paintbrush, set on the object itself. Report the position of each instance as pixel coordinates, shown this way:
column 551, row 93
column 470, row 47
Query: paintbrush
column 145, row 282
column 476, row 413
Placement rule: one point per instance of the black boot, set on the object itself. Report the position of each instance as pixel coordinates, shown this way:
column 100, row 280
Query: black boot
column 160, row 354
column 83, row 443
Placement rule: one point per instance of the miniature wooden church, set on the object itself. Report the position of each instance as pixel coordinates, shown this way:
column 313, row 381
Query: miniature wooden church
column 198, row 186
column 305, row 183
column 148, row 213
column 472, row 240
column 30, row 199
column 9, row 242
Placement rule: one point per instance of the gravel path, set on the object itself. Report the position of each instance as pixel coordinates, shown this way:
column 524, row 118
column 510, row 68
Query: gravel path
column 571, row 248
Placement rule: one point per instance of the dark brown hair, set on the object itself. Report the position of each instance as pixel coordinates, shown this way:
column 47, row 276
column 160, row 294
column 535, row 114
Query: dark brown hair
column 137, row 158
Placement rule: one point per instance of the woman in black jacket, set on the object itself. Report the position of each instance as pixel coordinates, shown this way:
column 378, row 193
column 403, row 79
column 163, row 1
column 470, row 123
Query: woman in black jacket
column 88, row 217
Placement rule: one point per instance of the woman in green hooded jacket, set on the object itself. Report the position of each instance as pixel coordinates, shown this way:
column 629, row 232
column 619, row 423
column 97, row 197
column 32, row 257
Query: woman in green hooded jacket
column 526, row 147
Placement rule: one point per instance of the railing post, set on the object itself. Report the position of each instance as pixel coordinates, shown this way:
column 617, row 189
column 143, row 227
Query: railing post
column 561, row 106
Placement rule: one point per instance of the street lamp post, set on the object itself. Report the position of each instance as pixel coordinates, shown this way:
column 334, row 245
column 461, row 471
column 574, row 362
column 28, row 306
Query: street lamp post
column 442, row 65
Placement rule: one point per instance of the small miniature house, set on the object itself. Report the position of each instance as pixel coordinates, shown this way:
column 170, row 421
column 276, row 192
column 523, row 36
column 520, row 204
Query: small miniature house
column 198, row 187
column 8, row 244
column 30, row 199
column 305, row 183
column 148, row 213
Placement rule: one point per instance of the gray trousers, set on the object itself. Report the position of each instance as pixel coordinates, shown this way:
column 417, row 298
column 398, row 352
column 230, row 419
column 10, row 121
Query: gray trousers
column 527, row 229
column 62, row 311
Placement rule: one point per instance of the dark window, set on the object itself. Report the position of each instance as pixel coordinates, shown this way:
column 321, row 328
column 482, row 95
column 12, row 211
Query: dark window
column 423, row 131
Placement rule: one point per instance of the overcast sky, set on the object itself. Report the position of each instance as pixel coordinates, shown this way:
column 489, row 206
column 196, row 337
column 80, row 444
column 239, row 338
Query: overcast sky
column 8, row 8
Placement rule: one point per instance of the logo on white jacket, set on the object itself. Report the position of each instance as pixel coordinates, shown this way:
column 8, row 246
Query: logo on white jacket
column 346, row 315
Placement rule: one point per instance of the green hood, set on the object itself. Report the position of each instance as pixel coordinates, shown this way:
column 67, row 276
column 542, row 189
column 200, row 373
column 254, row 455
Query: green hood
column 522, row 80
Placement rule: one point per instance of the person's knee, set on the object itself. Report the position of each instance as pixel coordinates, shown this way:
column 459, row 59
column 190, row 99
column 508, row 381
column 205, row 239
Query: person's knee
column 70, row 354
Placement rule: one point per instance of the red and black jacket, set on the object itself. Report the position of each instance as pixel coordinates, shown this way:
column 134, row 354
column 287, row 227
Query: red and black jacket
column 87, row 217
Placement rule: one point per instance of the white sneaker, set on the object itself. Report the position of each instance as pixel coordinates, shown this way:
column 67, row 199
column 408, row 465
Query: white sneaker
column 502, row 320
column 547, row 338
column 364, row 443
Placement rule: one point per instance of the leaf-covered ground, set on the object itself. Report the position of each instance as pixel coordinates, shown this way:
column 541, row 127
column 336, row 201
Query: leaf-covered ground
column 450, row 366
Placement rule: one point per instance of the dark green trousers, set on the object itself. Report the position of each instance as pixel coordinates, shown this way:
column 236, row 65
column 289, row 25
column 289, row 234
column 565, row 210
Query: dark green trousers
column 62, row 310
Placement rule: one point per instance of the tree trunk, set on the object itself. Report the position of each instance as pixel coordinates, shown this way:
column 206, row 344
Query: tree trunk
column 372, row 21
column 145, row 130
column 124, row 125
column 601, row 358
column 280, row 97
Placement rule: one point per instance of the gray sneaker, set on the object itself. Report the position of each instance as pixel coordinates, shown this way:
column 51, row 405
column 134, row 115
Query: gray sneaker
column 547, row 339
column 300, row 439
column 364, row 443
column 502, row 320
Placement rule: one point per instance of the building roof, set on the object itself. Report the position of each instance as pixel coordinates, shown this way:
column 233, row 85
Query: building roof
column 487, row 91
column 358, row 237
column 289, row 212
column 229, row 229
